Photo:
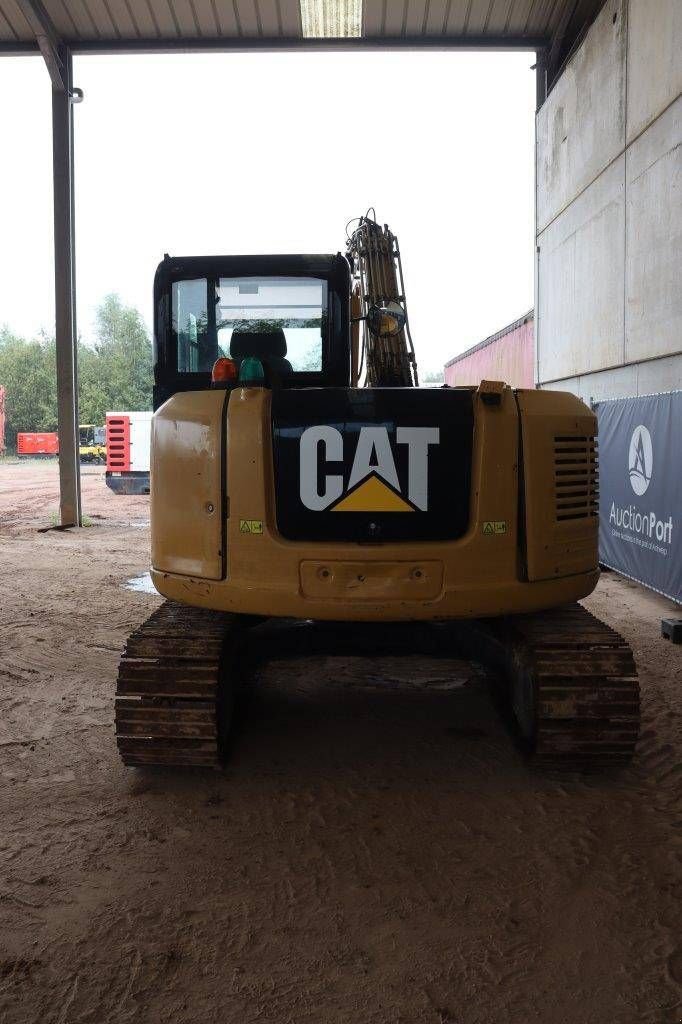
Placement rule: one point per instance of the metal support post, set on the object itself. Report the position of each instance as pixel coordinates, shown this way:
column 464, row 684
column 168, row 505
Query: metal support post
column 65, row 296
column 540, row 97
column 540, row 78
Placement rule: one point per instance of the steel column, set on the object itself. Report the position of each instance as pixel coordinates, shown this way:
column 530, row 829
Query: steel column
column 65, row 297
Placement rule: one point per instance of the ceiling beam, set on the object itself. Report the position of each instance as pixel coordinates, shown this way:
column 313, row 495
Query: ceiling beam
column 570, row 7
column 48, row 41
column 494, row 43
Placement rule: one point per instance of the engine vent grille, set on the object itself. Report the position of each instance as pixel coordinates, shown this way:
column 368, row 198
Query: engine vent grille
column 576, row 478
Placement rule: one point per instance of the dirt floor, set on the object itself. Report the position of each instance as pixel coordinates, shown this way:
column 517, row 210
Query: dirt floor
column 377, row 851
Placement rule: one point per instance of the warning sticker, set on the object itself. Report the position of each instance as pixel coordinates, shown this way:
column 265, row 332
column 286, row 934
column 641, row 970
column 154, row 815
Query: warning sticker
column 250, row 525
column 491, row 527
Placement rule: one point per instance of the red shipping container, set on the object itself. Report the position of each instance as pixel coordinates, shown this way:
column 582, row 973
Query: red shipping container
column 37, row 444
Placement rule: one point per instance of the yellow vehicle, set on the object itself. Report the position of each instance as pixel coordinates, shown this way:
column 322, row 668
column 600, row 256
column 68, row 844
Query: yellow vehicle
column 91, row 443
column 282, row 487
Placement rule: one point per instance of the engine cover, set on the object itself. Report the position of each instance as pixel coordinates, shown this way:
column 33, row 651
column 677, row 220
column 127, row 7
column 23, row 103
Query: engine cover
column 385, row 464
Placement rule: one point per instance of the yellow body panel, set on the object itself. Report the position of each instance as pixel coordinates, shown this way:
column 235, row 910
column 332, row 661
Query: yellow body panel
column 558, row 432
column 187, row 524
column 480, row 574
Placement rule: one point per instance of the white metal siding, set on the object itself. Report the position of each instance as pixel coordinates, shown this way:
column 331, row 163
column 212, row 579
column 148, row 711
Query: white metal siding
column 140, row 439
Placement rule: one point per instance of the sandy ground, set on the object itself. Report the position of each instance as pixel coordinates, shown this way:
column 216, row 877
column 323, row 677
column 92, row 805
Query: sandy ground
column 376, row 852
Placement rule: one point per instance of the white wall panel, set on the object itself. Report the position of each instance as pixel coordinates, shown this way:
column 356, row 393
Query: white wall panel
column 654, row 60
column 659, row 375
column 649, row 378
column 581, row 125
column 580, row 281
column 593, row 387
column 653, row 315
column 609, row 215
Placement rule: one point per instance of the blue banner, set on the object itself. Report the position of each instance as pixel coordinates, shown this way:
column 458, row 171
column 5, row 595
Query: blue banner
column 640, row 489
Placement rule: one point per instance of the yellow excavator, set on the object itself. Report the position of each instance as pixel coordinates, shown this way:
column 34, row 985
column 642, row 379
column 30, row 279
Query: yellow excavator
column 92, row 446
column 298, row 471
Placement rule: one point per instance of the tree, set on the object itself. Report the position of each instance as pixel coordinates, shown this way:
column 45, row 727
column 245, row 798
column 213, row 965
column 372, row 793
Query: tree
column 433, row 377
column 27, row 370
column 114, row 372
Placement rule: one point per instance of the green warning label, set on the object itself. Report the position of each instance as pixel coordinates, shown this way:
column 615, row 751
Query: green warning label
column 493, row 527
column 250, row 525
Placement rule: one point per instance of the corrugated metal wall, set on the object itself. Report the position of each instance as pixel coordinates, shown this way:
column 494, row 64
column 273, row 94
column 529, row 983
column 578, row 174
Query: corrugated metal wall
column 507, row 355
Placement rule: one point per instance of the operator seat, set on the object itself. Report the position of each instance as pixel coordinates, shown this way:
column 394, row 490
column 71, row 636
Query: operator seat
column 268, row 346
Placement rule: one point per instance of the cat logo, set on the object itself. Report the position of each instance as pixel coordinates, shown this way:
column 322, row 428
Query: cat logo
column 373, row 484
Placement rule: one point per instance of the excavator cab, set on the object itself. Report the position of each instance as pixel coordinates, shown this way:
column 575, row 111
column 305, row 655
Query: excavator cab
column 291, row 313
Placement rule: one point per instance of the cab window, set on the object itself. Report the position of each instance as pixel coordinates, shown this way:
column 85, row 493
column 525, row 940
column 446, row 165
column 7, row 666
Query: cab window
column 282, row 320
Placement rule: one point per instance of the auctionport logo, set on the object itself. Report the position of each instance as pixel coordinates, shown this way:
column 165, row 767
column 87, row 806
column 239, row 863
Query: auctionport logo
column 640, row 459
column 642, row 528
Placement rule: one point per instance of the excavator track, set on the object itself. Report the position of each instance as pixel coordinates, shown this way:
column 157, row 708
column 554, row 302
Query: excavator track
column 175, row 687
column 573, row 685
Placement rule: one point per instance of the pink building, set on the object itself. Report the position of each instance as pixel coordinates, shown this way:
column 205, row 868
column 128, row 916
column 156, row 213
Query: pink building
column 507, row 356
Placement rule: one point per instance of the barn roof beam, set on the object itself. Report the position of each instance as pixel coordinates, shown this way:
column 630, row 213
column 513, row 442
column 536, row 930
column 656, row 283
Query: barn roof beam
column 237, row 44
column 48, row 41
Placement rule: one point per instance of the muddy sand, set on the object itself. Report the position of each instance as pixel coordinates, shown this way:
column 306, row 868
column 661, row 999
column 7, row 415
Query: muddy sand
column 377, row 850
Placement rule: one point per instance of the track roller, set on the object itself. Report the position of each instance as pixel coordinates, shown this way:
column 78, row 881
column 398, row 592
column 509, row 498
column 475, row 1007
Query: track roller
column 572, row 684
column 176, row 684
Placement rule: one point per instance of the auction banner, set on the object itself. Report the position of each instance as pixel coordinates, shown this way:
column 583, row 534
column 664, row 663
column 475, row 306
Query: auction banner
column 640, row 489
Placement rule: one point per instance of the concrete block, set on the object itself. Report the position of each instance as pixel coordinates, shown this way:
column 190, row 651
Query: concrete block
column 653, row 316
column 581, row 267
column 581, row 125
column 654, row 60
column 671, row 629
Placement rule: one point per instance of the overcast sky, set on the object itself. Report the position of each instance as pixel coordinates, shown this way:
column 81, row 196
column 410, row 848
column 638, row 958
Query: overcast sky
column 257, row 153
